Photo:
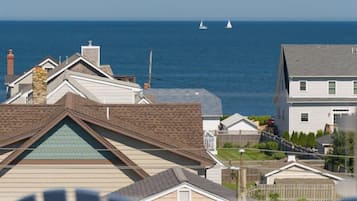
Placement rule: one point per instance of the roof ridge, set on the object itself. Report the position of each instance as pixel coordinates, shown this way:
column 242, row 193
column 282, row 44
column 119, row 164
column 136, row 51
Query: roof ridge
column 180, row 175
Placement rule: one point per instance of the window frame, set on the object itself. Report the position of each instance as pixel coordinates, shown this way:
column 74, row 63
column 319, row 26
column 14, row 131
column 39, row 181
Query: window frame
column 184, row 190
column 303, row 81
column 328, row 87
column 354, row 87
column 307, row 117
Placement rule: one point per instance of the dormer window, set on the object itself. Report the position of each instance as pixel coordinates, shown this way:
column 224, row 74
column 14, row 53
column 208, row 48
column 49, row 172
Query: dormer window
column 331, row 87
column 303, row 85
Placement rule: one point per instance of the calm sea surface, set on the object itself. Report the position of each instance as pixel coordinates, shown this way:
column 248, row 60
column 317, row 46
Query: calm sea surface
column 238, row 65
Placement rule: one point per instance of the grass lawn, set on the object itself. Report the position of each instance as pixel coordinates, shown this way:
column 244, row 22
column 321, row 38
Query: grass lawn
column 233, row 154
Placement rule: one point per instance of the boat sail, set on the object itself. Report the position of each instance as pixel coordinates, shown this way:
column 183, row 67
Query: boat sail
column 202, row 27
column 229, row 25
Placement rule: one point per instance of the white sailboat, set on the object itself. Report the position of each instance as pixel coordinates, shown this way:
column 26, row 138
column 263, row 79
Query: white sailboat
column 202, row 27
column 229, row 25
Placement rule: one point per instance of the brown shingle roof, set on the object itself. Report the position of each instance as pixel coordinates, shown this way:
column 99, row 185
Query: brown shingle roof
column 168, row 126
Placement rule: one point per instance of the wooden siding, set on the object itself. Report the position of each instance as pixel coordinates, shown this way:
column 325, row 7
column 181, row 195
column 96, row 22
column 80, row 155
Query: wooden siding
column 26, row 80
column 82, row 67
column 59, row 94
column 150, row 158
column 5, row 155
column 195, row 196
column 66, row 141
column 25, row 179
column 107, row 93
column 173, row 196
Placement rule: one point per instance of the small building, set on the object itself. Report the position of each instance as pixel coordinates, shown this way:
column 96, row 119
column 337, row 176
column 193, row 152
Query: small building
column 238, row 124
column 325, row 144
column 176, row 184
column 239, row 130
column 292, row 170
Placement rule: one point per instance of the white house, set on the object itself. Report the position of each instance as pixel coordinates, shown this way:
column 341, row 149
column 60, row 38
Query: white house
column 316, row 86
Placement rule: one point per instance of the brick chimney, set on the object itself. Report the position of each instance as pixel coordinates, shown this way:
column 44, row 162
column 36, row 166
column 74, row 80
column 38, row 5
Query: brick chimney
column 10, row 63
column 39, row 85
column 92, row 53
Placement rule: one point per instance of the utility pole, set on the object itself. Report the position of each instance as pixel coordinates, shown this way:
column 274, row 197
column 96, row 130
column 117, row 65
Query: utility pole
column 243, row 174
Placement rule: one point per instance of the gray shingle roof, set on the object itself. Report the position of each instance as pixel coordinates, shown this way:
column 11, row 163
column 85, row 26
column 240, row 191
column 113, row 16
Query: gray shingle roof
column 210, row 104
column 169, row 179
column 326, row 139
column 321, row 60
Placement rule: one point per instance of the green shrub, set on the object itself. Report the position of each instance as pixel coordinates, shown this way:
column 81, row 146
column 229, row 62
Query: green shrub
column 262, row 145
column 228, row 145
column 274, row 196
column 272, row 145
column 319, row 133
column 262, row 119
column 278, row 155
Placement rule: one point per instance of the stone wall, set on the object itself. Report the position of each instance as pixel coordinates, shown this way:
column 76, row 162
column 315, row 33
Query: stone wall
column 39, row 85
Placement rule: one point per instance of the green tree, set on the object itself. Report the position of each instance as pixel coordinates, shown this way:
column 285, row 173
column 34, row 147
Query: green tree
column 294, row 137
column 310, row 141
column 286, row 135
column 343, row 146
column 302, row 139
column 319, row 133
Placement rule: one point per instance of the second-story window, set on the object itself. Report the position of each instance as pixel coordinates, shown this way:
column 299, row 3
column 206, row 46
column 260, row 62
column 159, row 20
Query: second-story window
column 302, row 85
column 355, row 87
column 331, row 87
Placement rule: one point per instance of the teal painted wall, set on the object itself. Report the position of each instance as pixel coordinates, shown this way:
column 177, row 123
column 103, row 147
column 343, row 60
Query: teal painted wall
column 67, row 140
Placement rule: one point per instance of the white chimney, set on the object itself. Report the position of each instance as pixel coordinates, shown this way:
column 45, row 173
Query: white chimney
column 291, row 158
column 92, row 53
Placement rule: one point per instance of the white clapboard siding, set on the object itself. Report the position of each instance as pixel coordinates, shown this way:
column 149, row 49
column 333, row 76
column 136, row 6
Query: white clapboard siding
column 108, row 93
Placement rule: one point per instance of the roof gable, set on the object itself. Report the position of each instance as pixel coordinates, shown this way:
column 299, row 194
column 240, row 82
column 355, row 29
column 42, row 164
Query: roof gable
column 321, row 60
column 68, row 141
column 70, row 63
column 19, row 154
column 304, row 167
column 236, row 118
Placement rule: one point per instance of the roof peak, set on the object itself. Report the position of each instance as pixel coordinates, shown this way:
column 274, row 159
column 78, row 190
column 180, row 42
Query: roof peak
column 180, row 175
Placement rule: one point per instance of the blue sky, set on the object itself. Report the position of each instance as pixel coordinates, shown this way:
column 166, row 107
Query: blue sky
column 178, row 9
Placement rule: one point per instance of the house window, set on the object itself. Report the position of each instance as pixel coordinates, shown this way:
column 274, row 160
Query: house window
column 331, row 87
column 304, row 117
column 184, row 195
column 355, row 87
column 302, row 85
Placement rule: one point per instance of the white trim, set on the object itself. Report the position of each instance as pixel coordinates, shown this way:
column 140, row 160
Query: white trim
column 48, row 60
column 184, row 190
column 303, row 167
column 106, row 83
column 75, row 61
column 353, row 87
column 185, row 185
column 144, row 101
column 308, row 117
column 12, row 84
column 328, row 87
column 65, row 82
column 11, row 99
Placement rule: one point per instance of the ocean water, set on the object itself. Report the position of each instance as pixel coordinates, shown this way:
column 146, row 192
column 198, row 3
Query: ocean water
column 238, row 65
